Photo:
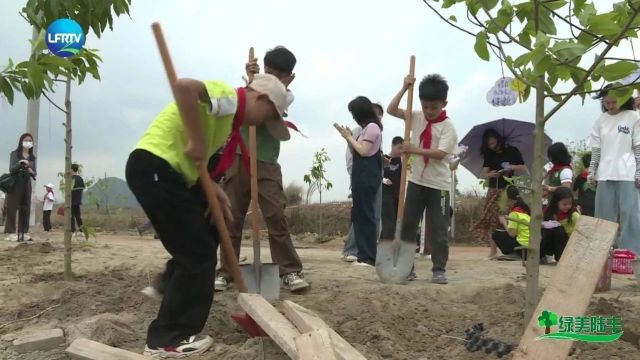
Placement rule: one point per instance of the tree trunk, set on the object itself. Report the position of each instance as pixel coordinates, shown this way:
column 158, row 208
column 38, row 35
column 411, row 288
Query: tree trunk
column 321, row 209
column 533, row 257
column 68, row 184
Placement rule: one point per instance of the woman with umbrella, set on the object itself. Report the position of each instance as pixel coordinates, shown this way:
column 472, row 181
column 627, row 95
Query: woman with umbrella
column 499, row 162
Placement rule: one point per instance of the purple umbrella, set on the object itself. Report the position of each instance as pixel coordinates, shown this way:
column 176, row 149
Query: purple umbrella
column 516, row 133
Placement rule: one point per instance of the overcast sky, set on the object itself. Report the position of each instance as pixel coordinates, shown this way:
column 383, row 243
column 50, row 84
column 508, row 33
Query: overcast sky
column 344, row 49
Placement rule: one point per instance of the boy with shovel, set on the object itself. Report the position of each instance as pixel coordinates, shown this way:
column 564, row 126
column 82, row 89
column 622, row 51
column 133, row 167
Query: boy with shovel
column 433, row 139
column 280, row 63
column 162, row 173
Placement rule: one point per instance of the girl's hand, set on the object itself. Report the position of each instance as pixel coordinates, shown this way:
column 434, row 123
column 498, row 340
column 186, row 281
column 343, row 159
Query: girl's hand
column 30, row 171
column 494, row 174
column 592, row 180
column 196, row 151
column 387, row 181
column 225, row 205
column 344, row 131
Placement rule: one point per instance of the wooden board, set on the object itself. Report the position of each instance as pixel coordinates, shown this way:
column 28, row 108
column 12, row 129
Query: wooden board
column 84, row 349
column 316, row 345
column 307, row 321
column 571, row 287
column 271, row 321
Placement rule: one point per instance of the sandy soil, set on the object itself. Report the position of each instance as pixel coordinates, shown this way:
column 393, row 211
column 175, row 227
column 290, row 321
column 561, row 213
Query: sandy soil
column 415, row 321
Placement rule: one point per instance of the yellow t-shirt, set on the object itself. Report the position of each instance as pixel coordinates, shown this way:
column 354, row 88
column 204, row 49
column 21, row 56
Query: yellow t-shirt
column 522, row 230
column 569, row 227
column 166, row 137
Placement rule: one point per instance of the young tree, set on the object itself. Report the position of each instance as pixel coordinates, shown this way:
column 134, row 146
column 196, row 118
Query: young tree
column 316, row 178
column 544, row 43
column 38, row 75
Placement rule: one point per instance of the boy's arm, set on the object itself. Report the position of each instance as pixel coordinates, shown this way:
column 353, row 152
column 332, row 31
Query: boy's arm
column 393, row 108
column 189, row 93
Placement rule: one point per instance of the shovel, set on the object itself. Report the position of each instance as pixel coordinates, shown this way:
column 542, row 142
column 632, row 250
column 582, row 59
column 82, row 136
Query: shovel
column 245, row 321
column 263, row 279
column 394, row 259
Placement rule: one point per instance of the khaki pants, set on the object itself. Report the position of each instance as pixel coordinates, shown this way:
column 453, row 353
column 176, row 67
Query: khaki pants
column 272, row 203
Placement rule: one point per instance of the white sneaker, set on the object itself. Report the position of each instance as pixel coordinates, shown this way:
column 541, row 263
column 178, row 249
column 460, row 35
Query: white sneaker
column 349, row 258
column 220, row 284
column 11, row 237
column 194, row 345
column 294, row 282
column 363, row 264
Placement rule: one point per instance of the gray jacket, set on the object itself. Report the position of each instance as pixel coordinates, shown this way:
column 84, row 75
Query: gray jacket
column 15, row 166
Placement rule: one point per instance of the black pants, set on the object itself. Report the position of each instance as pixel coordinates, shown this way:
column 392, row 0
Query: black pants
column 505, row 242
column 389, row 214
column 177, row 214
column 76, row 218
column 437, row 205
column 18, row 201
column 553, row 242
column 46, row 220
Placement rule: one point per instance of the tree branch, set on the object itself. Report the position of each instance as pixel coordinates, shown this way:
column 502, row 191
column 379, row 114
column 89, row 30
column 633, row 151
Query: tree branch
column 571, row 25
column 511, row 37
column 53, row 103
column 593, row 67
column 621, row 59
column 617, row 87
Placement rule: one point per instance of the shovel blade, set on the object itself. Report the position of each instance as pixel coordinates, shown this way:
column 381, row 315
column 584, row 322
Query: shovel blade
column 268, row 283
column 394, row 260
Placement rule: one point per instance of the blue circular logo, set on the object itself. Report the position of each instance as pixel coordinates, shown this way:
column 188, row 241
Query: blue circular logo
column 65, row 37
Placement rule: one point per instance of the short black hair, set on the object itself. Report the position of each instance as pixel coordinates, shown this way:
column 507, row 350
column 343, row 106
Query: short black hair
column 558, row 154
column 74, row 167
column 491, row 133
column 281, row 59
column 362, row 111
column 433, row 87
column 628, row 105
column 514, row 194
column 397, row 140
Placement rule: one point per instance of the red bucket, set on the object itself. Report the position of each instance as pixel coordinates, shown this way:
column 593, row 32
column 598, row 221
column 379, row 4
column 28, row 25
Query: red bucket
column 622, row 259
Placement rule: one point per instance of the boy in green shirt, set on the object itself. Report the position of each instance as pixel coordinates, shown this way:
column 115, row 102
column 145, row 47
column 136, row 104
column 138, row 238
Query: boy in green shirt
column 162, row 173
column 280, row 63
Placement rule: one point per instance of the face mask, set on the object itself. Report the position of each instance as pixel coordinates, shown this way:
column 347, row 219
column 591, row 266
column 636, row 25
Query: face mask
column 27, row 144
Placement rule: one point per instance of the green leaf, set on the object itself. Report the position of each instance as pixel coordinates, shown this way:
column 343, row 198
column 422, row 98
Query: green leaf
column 525, row 38
column 453, row 18
column 586, row 14
column 523, row 60
column 6, row 89
column 524, row 11
column 488, row 4
column 473, row 6
column 547, row 25
column 542, row 41
column 542, row 65
column 481, row 46
column 622, row 95
column 565, row 50
column 603, row 24
column 555, row 4
column 618, row 70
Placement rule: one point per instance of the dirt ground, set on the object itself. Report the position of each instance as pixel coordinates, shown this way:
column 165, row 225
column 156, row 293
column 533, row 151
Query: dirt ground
column 416, row 321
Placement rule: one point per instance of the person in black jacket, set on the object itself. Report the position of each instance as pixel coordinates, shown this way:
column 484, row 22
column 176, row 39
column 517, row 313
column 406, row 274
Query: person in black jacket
column 391, row 188
column 76, row 198
column 22, row 166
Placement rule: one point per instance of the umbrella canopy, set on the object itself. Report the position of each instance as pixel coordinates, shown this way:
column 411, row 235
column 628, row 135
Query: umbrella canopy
column 516, row 133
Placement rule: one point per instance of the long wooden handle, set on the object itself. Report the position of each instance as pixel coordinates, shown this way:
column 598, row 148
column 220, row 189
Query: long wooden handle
column 253, row 166
column 407, row 139
column 251, row 56
column 210, row 188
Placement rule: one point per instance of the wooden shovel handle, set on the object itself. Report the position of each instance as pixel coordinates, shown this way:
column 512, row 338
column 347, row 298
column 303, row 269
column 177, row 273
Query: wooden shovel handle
column 407, row 139
column 253, row 166
column 209, row 187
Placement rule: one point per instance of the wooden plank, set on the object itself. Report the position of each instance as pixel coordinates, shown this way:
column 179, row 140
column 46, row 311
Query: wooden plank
column 571, row 287
column 316, row 345
column 271, row 321
column 85, row 349
column 304, row 319
column 307, row 321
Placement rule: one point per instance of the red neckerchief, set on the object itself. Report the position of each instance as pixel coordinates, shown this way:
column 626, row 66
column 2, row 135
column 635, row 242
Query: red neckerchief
column 235, row 140
column 293, row 127
column 585, row 174
column 557, row 168
column 426, row 137
column 562, row 216
column 519, row 210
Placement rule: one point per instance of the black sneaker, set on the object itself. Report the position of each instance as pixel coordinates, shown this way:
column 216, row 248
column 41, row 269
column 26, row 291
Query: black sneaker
column 194, row 345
